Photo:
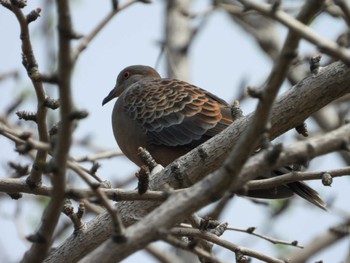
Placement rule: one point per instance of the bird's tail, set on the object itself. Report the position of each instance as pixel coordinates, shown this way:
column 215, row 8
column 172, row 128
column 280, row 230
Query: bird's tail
column 309, row 194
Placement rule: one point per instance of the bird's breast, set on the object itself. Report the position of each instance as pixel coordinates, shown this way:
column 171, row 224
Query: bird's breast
column 127, row 132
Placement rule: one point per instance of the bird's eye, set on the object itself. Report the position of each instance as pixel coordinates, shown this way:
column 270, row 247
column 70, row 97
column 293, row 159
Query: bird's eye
column 126, row 75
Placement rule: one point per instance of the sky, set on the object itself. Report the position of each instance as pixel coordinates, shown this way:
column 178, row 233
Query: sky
column 222, row 57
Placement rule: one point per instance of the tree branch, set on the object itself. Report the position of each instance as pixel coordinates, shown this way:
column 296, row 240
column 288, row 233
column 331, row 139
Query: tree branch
column 17, row 185
column 87, row 39
column 301, row 29
column 299, row 151
column 325, row 240
column 39, row 250
column 294, row 177
column 32, row 68
column 310, row 95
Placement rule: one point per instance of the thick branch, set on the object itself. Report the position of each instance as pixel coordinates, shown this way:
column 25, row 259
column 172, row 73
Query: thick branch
column 300, row 151
column 310, row 95
column 181, row 205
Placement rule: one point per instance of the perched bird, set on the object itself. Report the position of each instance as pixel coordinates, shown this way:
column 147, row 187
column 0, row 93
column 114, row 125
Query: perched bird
column 170, row 117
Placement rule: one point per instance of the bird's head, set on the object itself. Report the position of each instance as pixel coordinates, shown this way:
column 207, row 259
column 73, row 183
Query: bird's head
column 129, row 76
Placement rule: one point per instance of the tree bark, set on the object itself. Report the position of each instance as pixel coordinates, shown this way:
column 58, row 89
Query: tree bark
column 290, row 109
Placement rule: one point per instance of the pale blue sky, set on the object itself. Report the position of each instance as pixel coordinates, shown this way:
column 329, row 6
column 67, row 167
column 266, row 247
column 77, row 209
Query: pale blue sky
column 221, row 57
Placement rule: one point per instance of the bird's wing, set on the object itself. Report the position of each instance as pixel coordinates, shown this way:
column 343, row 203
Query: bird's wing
column 175, row 113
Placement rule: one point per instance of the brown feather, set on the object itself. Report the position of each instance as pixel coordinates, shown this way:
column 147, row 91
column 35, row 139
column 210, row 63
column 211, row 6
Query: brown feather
column 170, row 117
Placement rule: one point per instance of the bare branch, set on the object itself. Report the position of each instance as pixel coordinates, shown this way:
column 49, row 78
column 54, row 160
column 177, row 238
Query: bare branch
column 98, row 156
column 87, row 39
column 201, row 253
column 284, row 116
column 305, row 150
column 118, row 227
column 251, row 231
column 204, row 192
column 39, row 250
column 226, row 244
column 17, row 185
column 68, row 210
column 163, row 256
column 294, row 177
column 32, row 68
column 325, row 240
column 329, row 47
column 346, row 10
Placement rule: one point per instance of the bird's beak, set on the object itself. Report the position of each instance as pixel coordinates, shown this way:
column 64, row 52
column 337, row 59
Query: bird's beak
column 113, row 94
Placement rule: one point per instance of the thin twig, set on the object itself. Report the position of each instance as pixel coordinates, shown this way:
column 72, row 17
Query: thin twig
column 23, row 139
column 226, row 244
column 11, row 74
column 18, row 185
column 87, row 39
column 320, row 243
column 31, row 65
column 117, row 222
column 186, row 246
column 163, row 256
column 98, row 156
column 251, row 231
column 295, row 177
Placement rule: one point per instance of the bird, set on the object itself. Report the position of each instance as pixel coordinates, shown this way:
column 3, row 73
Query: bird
column 170, row 117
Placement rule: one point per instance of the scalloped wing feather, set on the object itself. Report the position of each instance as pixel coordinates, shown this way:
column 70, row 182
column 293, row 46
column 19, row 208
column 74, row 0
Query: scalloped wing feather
column 175, row 113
